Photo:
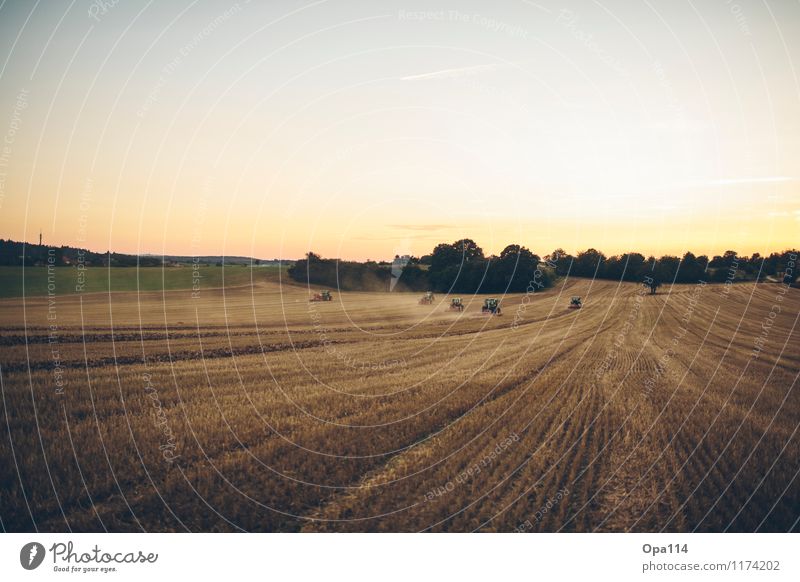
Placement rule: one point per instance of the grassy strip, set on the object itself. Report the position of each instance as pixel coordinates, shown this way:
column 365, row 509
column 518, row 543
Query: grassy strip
column 68, row 280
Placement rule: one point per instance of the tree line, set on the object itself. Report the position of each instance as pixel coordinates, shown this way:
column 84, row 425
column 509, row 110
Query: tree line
column 463, row 267
column 729, row 267
column 459, row 267
column 345, row 275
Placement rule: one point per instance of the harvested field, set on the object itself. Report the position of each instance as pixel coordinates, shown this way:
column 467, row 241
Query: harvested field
column 251, row 409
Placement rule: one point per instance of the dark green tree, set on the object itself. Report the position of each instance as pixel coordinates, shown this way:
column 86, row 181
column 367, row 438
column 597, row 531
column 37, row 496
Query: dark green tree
column 589, row 263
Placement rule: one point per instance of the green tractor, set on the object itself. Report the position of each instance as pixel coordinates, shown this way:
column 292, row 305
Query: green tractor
column 456, row 304
column 322, row 296
column 427, row 299
column 492, row 306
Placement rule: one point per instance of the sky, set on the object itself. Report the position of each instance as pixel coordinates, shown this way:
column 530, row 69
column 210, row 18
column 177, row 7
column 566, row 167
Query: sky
column 368, row 129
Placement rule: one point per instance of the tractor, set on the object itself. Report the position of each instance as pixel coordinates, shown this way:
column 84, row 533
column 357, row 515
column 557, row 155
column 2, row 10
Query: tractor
column 427, row 299
column 456, row 304
column 575, row 303
column 322, row 296
column 492, row 306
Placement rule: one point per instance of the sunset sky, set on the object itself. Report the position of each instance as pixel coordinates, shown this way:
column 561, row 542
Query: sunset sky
column 369, row 129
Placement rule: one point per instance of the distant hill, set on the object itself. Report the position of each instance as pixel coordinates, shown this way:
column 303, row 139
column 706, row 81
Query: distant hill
column 15, row 253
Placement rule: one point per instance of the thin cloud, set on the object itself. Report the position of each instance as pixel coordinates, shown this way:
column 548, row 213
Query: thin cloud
column 752, row 180
column 694, row 184
column 397, row 238
column 454, row 73
column 421, row 227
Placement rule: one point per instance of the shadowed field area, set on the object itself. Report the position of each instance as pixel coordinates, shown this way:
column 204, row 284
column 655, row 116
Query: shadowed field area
column 250, row 408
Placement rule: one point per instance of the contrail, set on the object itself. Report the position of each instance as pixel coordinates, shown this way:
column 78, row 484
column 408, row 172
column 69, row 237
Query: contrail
column 452, row 73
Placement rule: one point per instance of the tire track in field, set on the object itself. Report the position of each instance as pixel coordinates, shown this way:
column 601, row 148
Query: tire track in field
column 346, row 504
column 146, row 497
column 575, row 338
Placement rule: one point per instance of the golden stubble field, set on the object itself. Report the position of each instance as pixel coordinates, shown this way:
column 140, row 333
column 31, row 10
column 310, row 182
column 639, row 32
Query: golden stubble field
column 252, row 409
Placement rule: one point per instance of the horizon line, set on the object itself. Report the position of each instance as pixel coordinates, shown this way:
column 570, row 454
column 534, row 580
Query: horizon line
column 322, row 255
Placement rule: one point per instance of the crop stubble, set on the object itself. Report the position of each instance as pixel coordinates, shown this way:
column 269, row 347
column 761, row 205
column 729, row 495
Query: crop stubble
column 372, row 413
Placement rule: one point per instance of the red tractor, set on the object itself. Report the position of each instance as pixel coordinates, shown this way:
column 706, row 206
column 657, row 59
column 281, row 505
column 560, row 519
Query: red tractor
column 456, row 304
column 427, row 299
column 491, row 306
column 575, row 303
column 322, row 296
